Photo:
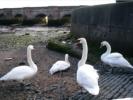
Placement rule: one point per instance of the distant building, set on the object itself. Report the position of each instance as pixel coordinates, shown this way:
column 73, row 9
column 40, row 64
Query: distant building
column 124, row 1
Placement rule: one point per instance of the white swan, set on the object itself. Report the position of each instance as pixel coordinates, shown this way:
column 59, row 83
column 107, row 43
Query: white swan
column 60, row 65
column 113, row 59
column 22, row 72
column 87, row 76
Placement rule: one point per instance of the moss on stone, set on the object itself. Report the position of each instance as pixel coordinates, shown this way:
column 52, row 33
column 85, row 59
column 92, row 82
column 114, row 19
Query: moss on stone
column 63, row 48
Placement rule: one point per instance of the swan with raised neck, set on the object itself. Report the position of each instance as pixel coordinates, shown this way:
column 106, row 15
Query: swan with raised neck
column 87, row 76
column 22, row 72
column 66, row 59
column 114, row 59
column 84, row 51
column 108, row 51
column 29, row 58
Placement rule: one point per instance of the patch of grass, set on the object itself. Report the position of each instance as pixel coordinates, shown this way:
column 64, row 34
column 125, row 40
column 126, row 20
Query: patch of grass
column 12, row 41
column 61, row 47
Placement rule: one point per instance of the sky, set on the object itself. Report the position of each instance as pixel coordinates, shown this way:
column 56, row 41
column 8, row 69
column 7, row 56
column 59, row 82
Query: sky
column 41, row 3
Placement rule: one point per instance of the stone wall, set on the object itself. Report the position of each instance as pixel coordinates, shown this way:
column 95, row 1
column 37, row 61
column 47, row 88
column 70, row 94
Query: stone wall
column 111, row 22
column 53, row 12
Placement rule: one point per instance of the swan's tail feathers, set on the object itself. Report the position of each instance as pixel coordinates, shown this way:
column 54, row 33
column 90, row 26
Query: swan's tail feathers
column 3, row 78
column 51, row 71
column 94, row 91
column 130, row 66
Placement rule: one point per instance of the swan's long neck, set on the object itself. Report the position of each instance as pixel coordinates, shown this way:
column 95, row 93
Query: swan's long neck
column 30, row 61
column 66, row 58
column 84, row 54
column 108, row 51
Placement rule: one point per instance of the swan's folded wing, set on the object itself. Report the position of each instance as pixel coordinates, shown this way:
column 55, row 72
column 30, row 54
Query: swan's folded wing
column 18, row 73
column 90, row 68
column 114, row 56
column 60, row 65
column 87, row 79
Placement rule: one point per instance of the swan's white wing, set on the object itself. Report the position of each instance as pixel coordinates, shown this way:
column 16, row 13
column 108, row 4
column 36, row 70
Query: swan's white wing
column 59, row 66
column 91, row 68
column 116, row 60
column 88, row 79
column 19, row 73
column 114, row 56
